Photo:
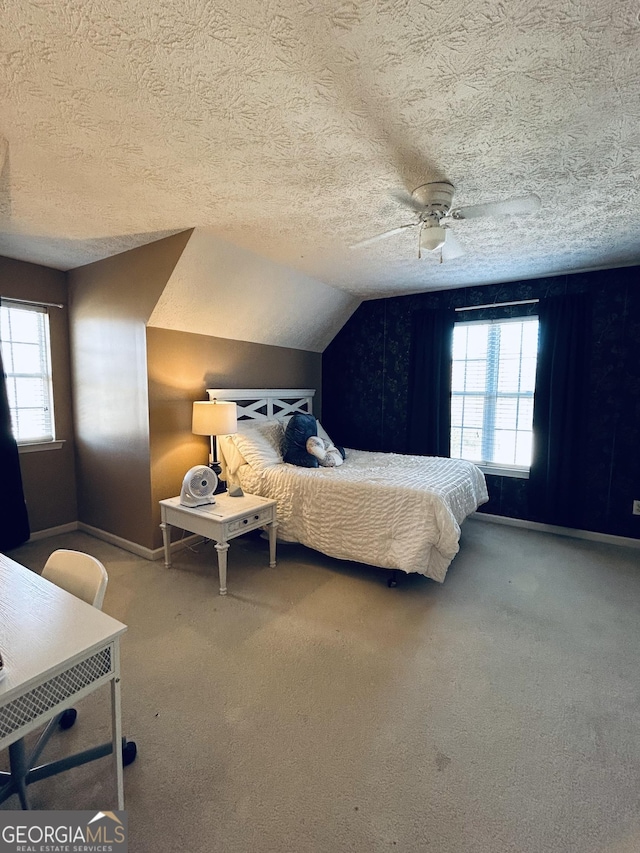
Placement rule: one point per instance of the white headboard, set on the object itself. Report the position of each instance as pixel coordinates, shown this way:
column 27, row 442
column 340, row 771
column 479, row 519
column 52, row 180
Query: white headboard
column 266, row 403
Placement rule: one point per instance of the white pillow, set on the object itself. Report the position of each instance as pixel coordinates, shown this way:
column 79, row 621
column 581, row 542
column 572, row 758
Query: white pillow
column 230, row 456
column 260, row 444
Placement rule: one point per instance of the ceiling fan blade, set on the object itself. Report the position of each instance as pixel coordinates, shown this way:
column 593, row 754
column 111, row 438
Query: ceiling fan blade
column 452, row 247
column 510, row 207
column 382, row 236
column 408, row 200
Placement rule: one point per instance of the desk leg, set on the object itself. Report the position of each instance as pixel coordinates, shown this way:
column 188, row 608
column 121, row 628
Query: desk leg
column 19, row 770
column 222, row 548
column 116, row 725
column 273, row 532
column 166, row 541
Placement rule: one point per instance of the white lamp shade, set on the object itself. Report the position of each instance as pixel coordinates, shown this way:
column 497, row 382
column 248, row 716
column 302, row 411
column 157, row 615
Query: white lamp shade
column 214, row 418
column 433, row 238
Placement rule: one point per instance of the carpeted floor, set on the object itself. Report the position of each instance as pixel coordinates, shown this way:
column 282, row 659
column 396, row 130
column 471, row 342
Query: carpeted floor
column 315, row 710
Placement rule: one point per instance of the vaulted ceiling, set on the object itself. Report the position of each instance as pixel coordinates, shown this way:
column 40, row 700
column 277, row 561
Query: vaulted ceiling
column 290, row 130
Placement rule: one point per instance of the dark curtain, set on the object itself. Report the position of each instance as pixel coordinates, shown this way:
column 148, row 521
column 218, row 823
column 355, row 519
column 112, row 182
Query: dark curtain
column 14, row 521
column 556, row 487
column 429, row 409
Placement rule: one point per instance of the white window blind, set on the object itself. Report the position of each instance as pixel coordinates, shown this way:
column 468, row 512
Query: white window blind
column 493, row 383
column 26, row 356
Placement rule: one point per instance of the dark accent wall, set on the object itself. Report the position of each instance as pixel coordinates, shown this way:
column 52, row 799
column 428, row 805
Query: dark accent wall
column 365, row 374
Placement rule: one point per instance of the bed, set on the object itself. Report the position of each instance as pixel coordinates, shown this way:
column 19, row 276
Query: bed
column 394, row 511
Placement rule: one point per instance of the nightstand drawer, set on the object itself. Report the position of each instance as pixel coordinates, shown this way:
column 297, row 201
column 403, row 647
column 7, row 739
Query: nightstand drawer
column 251, row 521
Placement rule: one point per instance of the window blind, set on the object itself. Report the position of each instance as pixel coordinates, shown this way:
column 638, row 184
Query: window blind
column 493, row 383
column 26, row 355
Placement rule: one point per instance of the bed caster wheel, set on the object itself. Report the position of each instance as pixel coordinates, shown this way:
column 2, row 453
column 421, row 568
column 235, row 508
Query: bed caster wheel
column 392, row 581
column 129, row 752
column 67, row 718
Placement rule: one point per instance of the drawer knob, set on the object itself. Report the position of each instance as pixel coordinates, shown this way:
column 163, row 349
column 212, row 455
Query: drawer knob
column 256, row 517
column 245, row 520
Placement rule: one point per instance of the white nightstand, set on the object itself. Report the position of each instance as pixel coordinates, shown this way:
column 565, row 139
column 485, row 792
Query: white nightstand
column 222, row 521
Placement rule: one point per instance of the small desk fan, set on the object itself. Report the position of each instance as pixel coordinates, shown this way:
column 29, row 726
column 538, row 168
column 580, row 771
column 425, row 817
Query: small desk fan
column 199, row 486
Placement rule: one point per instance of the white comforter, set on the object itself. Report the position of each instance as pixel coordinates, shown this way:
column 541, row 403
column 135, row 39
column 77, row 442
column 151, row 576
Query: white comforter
column 384, row 509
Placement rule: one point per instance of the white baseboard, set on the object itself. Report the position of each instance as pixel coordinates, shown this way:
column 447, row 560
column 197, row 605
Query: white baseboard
column 607, row 538
column 112, row 539
column 133, row 547
column 71, row 527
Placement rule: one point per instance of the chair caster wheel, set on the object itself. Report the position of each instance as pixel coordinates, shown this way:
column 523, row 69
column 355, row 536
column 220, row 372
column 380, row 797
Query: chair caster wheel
column 129, row 752
column 67, row 718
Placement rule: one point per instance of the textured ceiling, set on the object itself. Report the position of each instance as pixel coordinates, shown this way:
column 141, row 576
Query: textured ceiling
column 285, row 128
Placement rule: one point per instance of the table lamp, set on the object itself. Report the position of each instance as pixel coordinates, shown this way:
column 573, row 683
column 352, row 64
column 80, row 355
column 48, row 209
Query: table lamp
column 212, row 419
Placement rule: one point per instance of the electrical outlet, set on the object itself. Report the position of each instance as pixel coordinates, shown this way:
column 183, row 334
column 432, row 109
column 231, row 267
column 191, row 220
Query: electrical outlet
column 636, row 507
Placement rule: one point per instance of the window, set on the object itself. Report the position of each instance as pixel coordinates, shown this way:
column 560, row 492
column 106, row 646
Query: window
column 493, row 382
column 26, row 356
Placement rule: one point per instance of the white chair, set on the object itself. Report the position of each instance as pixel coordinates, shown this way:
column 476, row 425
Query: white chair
column 80, row 574
column 85, row 577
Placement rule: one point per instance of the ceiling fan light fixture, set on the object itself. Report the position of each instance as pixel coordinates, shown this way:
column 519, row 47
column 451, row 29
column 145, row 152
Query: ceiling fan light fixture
column 432, row 238
column 432, row 204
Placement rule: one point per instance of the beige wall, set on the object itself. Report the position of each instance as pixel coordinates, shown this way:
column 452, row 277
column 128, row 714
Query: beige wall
column 181, row 366
column 133, row 388
column 111, row 301
column 48, row 475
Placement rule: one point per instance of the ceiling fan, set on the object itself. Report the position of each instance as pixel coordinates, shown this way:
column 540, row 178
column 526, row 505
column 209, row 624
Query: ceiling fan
column 432, row 203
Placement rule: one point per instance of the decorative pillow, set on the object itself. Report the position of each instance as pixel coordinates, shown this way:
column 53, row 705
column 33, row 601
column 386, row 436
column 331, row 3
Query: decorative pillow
column 327, row 455
column 259, row 444
column 294, row 447
column 323, row 434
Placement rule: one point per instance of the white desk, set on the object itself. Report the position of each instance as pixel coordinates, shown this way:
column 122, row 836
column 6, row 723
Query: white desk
column 56, row 649
column 222, row 521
